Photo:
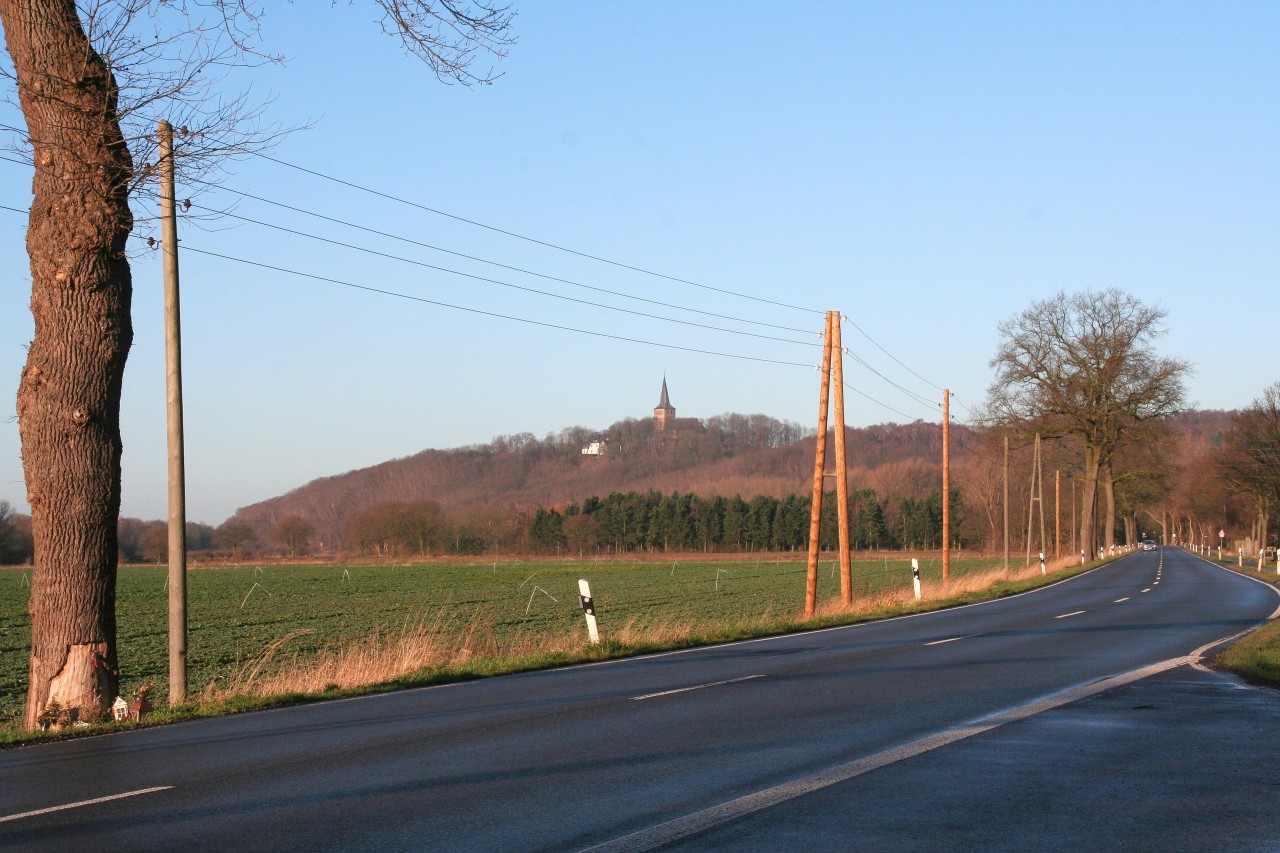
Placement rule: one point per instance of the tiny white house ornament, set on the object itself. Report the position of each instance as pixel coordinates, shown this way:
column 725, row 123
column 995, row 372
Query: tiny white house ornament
column 119, row 710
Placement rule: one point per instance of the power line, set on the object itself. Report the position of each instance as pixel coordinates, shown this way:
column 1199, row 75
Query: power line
column 588, row 256
column 891, row 355
column 878, row 403
column 482, row 312
column 526, row 320
column 904, row 390
column 533, row 240
column 967, row 408
column 863, row 362
column 398, row 199
column 501, row 283
column 499, row 264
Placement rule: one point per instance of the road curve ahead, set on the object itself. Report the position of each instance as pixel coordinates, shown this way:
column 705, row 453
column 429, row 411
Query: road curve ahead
column 626, row 755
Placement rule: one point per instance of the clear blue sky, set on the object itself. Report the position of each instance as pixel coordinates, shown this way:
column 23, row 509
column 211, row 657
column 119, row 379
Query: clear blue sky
column 927, row 168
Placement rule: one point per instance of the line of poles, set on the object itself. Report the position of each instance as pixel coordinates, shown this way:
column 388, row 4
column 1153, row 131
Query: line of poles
column 833, row 375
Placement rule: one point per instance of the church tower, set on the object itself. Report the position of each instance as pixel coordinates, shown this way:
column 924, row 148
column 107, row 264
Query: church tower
column 664, row 416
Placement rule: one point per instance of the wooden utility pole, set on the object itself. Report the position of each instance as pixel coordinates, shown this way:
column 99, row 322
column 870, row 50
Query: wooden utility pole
column 1074, row 544
column 842, row 469
column 173, row 386
column 1036, row 499
column 946, row 486
column 1006, row 504
column 819, row 467
column 1057, row 513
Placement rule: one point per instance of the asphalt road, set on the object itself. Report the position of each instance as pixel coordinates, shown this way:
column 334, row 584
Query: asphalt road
column 940, row 731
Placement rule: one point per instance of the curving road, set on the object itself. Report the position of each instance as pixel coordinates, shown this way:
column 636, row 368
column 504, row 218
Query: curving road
column 770, row 742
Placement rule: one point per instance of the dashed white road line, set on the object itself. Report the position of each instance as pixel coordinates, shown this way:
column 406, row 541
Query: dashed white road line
column 1073, row 613
column 1118, row 600
column 82, row 803
column 694, row 687
column 952, row 639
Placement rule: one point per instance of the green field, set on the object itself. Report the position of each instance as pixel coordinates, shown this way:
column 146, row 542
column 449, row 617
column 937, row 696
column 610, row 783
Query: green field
column 235, row 612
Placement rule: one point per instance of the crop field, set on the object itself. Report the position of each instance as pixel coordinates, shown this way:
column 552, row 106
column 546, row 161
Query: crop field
column 235, row 613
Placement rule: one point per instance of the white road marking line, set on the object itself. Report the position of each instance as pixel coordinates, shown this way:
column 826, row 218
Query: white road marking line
column 1148, row 589
column 1076, row 613
column 92, row 802
column 682, row 827
column 1118, row 600
column 695, row 687
column 953, row 639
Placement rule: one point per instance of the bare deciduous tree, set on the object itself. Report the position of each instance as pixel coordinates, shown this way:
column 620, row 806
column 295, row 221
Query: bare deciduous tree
column 1250, row 457
column 293, row 532
column 92, row 78
column 233, row 534
column 1084, row 366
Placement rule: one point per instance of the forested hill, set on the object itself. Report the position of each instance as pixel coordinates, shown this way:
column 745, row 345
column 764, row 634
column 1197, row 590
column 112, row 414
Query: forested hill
column 726, row 455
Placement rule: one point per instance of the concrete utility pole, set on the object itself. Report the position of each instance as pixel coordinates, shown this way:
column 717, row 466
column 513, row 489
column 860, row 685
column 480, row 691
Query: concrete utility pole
column 819, row 467
column 173, row 386
column 946, row 486
column 842, row 468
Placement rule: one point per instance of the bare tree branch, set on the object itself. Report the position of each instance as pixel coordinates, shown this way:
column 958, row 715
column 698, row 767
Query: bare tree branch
column 447, row 34
column 1085, row 366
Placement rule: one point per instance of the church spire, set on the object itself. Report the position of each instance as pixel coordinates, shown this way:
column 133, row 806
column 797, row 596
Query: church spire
column 665, row 413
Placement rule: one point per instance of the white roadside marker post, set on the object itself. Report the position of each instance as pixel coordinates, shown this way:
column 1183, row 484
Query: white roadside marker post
column 1082, row 556
column 589, row 609
column 1240, row 556
column 1042, row 562
column 1262, row 560
column 915, row 576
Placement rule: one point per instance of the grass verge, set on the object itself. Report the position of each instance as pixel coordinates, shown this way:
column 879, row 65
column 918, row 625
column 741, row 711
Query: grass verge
column 425, row 653
column 1255, row 657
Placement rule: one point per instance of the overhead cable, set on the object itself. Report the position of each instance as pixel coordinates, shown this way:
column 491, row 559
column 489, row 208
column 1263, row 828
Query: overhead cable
column 534, row 240
column 438, row 303
column 878, row 403
column 904, row 390
column 891, row 355
column 506, row 284
column 499, row 264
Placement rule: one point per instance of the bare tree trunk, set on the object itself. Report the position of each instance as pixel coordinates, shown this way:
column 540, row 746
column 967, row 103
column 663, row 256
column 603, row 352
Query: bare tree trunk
column 69, row 395
column 1088, row 501
column 1109, row 516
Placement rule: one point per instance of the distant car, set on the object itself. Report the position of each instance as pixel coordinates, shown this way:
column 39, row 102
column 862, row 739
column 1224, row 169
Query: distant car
column 1148, row 545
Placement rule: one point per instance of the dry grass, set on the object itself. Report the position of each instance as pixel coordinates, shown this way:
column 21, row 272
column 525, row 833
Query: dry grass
column 425, row 645
column 421, row 645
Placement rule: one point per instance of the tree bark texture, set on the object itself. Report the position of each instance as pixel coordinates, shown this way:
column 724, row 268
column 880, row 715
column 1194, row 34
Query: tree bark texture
column 1109, row 515
column 69, row 394
column 1089, row 502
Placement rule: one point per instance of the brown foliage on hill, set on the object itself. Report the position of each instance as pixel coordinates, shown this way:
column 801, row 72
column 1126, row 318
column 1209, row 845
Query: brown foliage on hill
column 728, row 455
column 496, row 487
